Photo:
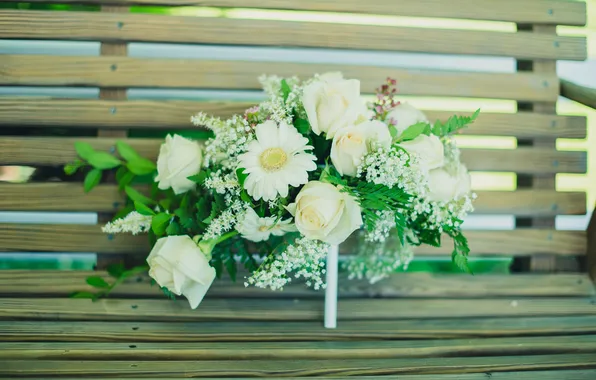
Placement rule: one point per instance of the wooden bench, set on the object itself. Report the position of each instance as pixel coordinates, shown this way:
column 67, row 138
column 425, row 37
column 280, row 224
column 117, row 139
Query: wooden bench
column 537, row 323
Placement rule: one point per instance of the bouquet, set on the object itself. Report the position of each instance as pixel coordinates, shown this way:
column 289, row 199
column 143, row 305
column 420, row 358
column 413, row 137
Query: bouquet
column 273, row 188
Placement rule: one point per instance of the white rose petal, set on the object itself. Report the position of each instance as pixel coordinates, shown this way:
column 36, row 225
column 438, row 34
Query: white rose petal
column 178, row 264
column 332, row 103
column 428, row 149
column 322, row 212
column 405, row 115
column 179, row 158
column 445, row 186
column 350, row 144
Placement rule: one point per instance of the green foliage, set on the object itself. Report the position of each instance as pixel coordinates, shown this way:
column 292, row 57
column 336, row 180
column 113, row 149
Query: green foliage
column 103, row 287
column 124, row 177
column 241, row 176
column 143, row 210
column 159, row 223
column 116, row 269
column 92, row 179
column 141, row 166
column 414, row 131
column 302, row 125
column 167, row 293
column 460, row 251
column 454, row 124
column 285, row 89
column 137, row 197
column 70, row 169
column 199, row 178
column 174, row 228
column 230, row 264
column 84, row 150
column 103, row 160
column 123, row 212
column 126, row 151
column 97, row 282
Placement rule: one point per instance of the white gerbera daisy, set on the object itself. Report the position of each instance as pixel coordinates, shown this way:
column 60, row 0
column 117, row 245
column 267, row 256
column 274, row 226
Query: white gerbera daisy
column 275, row 161
column 254, row 228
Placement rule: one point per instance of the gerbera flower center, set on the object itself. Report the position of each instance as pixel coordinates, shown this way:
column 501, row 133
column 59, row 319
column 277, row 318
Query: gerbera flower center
column 273, row 159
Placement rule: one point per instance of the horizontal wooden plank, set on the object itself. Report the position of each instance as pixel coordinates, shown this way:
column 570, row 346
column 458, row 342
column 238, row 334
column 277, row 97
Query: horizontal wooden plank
column 225, row 331
column 59, row 151
column 62, row 283
column 40, row 70
column 89, row 238
column 266, row 368
column 582, row 374
column 107, row 198
column 533, row 11
column 240, row 309
column 574, row 344
column 146, row 114
column 92, row 26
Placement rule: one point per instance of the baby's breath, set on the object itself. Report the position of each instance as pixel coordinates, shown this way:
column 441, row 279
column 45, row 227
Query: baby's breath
column 306, row 258
column 133, row 223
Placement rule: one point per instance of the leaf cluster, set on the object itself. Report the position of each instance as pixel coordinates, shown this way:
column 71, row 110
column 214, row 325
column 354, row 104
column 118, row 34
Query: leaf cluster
column 103, row 288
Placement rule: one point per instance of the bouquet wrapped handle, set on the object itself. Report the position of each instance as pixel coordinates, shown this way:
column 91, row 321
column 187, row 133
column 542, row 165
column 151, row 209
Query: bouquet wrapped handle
column 331, row 289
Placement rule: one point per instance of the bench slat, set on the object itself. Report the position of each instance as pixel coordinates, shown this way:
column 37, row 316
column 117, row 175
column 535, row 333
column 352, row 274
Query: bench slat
column 60, row 151
column 95, row 26
column 145, row 114
column 24, row 283
column 533, row 11
column 107, row 198
column 42, row 70
column 264, row 368
column 89, row 238
column 574, row 344
column 226, row 331
column 286, row 309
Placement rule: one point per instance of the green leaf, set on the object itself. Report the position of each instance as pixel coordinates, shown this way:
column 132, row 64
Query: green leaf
column 461, row 262
column 135, row 196
column 231, row 266
column 302, row 125
column 126, row 151
column 115, row 270
column 92, row 179
column 70, row 169
column 241, row 176
column 123, row 177
column 168, row 294
column 97, row 282
column 103, row 160
column 174, row 229
column 414, row 131
column 245, row 197
column 143, row 210
column 83, row 295
column 165, row 203
column 393, row 131
column 401, row 224
column 159, row 223
column 84, row 150
column 141, row 166
column 198, row 178
column 285, row 89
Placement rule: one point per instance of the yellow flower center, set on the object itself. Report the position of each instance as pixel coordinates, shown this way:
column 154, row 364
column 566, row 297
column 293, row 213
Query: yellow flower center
column 263, row 228
column 273, row 159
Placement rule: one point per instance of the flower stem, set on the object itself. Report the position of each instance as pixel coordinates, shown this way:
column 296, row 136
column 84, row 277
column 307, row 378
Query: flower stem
column 225, row 237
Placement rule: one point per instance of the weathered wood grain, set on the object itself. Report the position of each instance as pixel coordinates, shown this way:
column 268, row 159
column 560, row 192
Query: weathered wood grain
column 144, row 114
column 574, row 344
column 59, row 151
column 89, row 238
column 39, row 70
column 107, row 198
column 286, row 309
column 23, row 283
column 264, row 368
column 260, row 331
column 533, row 11
column 204, row 30
column 586, row 374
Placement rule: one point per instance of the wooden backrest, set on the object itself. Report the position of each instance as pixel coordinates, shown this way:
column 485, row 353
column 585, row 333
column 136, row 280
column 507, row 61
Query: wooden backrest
column 247, row 47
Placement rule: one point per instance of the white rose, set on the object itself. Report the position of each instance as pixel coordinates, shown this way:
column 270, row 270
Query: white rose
column 179, row 158
column 445, row 186
column 350, row 144
column 178, row 264
column 405, row 115
column 332, row 103
column 322, row 212
column 428, row 149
